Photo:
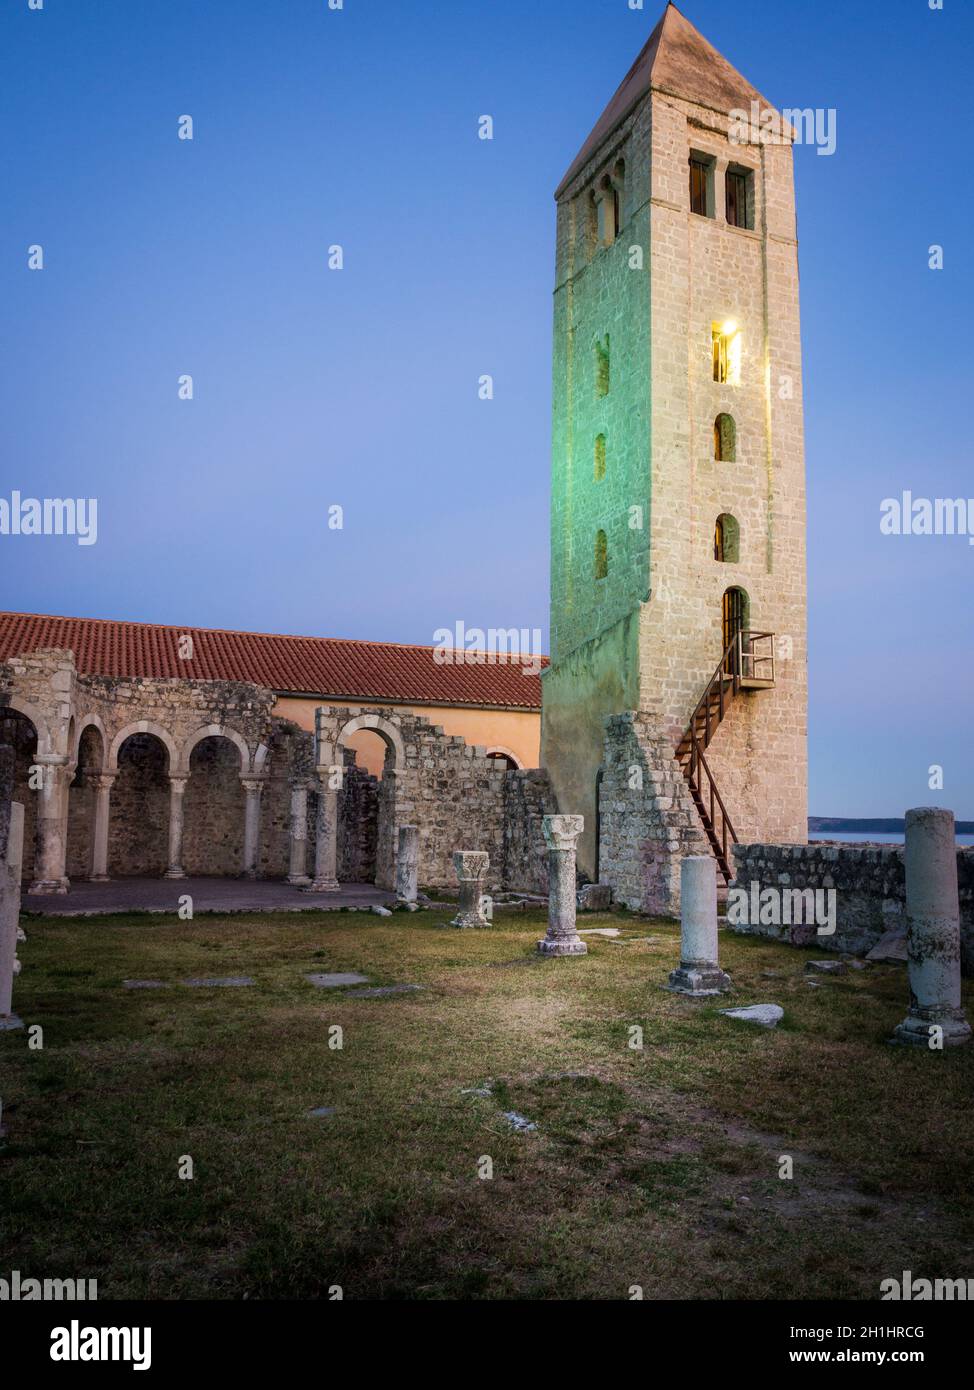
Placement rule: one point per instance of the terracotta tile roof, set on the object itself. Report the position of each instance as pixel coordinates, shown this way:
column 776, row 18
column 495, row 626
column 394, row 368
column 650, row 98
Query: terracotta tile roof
column 328, row 667
column 676, row 59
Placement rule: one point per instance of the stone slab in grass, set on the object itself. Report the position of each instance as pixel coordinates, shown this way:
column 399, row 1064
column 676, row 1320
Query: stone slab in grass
column 891, row 946
column 337, row 979
column 826, row 967
column 144, row 984
column 381, row 990
column 765, row 1015
column 322, row 1112
column 220, row 982
column 598, row 931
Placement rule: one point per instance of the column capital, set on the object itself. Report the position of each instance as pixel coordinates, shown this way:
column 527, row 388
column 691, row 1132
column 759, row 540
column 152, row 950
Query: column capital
column 253, row 784
column 561, row 832
column 104, row 781
column 177, row 784
column 471, row 865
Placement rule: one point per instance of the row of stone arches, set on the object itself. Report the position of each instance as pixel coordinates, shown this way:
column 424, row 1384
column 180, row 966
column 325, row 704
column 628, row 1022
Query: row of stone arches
column 146, row 803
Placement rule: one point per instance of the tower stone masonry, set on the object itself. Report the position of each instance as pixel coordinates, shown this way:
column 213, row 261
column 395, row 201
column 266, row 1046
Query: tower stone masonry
column 678, row 492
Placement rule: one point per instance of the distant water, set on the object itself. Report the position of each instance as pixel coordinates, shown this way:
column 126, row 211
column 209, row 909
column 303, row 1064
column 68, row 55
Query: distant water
column 876, row 837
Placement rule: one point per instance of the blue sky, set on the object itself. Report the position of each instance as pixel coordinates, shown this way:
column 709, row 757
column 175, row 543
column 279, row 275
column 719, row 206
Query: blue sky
column 314, row 388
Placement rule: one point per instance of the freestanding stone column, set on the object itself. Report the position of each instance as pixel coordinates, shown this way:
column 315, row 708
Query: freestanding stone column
column 99, row 835
column 298, row 867
column 52, row 838
column 561, row 834
column 253, row 786
column 471, row 867
column 326, row 838
column 933, row 932
column 10, row 870
column 699, row 974
column 407, row 864
column 177, row 788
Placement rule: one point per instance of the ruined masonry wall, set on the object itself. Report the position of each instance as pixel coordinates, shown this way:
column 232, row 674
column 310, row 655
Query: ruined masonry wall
column 648, row 820
column 870, row 887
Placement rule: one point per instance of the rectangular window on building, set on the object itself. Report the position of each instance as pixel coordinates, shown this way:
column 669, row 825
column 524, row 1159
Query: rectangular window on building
column 740, row 210
column 701, row 185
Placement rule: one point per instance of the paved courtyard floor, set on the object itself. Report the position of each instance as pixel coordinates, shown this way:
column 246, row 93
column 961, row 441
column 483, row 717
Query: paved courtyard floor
column 208, row 894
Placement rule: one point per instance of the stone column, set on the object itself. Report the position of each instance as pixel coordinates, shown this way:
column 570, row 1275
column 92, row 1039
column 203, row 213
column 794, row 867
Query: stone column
column 471, row 867
column 407, row 864
column 177, row 788
column 10, row 871
column 253, row 786
column 699, row 974
column 561, row 835
column 933, row 932
column 326, row 838
column 99, row 834
column 52, row 826
column 298, row 867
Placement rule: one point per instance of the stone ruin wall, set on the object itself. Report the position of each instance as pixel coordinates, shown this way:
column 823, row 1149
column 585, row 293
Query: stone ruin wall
column 528, row 798
column 458, row 797
column 648, row 821
column 870, row 887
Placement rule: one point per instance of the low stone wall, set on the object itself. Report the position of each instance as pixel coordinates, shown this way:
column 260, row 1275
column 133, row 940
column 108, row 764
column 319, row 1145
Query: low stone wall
column 870, row 892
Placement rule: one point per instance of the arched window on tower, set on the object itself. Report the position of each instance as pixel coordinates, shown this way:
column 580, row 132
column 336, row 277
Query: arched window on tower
column 619, row 192
column 727, row 539
column 601, row 555
column 602, row 362
column 599, row 470
column 725, row 439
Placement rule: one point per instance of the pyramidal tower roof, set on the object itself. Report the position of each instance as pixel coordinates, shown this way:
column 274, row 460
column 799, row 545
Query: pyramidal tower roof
column 679, row 61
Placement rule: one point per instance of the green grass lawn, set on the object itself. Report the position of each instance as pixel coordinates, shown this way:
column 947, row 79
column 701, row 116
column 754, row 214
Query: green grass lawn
column 657, row 1168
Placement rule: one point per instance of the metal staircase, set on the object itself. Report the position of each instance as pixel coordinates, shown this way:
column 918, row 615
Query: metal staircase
column 747, row 664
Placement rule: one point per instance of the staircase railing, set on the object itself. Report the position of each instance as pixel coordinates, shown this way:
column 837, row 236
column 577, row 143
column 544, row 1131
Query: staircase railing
column 748, row 657
column 710, row 804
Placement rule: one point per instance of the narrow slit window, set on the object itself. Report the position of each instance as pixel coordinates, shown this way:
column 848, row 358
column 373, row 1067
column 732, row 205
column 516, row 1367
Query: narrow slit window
column 601, row 555
column 599, row 471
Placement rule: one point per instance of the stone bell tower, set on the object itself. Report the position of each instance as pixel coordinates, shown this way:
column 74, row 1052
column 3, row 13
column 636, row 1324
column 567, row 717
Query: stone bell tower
column 675, row 704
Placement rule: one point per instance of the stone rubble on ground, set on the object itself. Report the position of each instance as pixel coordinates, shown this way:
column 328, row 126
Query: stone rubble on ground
column 518, row 1122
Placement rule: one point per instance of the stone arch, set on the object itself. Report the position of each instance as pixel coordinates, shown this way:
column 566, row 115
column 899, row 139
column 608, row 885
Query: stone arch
column 19, row 730
column 214, row 731
column 386, row 731
column 498, row 751
column 143, row 726
column 387, row 829
column 45, row 742
column 88, row 721
column 87, row 766
column 142, row 759
column 214, row 802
